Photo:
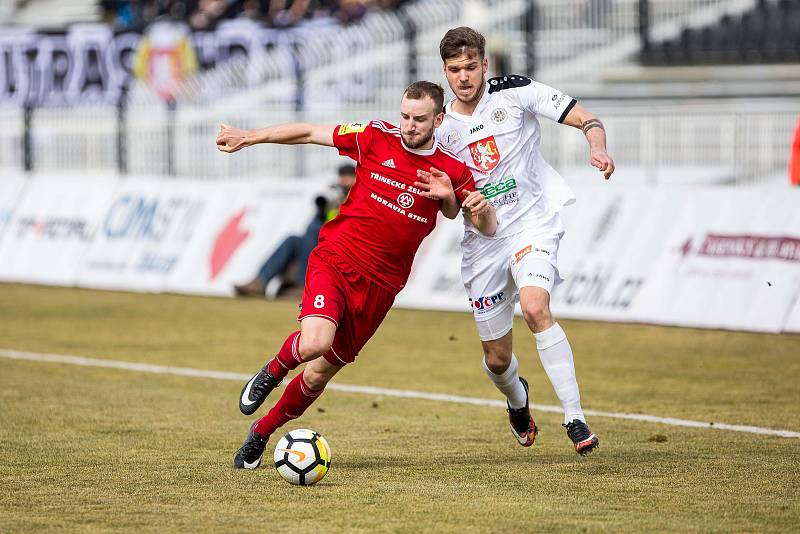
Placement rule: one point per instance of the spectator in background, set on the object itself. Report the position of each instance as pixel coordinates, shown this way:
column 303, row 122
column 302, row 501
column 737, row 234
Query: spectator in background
column 292, row 254
column 204, row 15
column 349, row 11
column 285, row 13
column 210, row 12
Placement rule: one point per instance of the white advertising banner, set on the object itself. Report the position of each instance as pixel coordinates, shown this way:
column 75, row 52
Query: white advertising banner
column 144, row 231
column 793, row 321
column 241, row 226
column 192, row 237
column 613, row 239
column 10, row 189
column 703, row 257
column 708, row 257
column 51, row 228
column 604, row 257
column 731, row 260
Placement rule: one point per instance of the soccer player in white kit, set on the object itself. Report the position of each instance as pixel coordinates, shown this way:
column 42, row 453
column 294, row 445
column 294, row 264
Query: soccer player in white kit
column 494, row 127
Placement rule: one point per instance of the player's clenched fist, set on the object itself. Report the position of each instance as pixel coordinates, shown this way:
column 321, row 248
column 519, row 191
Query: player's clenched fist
column 603, row 161
column 231, row 139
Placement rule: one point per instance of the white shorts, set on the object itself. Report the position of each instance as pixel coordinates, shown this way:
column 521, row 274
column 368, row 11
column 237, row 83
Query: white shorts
column 493, row 271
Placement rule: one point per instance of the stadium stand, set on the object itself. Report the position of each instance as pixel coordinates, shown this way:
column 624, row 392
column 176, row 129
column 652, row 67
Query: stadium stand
column 48, row 14
column 767, row 33
column 699, row 119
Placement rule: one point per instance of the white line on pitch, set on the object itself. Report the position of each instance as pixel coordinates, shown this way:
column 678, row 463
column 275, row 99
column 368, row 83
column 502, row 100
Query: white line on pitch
column 222, row 375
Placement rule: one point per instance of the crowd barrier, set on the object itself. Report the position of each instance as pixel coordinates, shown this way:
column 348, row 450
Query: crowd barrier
column 709, row 257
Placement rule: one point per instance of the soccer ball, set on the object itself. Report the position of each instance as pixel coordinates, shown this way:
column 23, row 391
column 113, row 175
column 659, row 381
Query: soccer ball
column 302, row 457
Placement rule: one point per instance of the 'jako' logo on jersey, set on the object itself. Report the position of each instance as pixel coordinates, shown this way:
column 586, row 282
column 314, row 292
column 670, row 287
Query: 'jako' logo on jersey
column 485, row 154
column 483, row 304
column 477, row 128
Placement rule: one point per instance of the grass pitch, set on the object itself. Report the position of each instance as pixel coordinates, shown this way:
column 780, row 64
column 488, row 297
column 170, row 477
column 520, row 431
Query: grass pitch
column 93, row 449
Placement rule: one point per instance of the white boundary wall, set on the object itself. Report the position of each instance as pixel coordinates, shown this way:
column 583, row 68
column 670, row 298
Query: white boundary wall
column 710, row 257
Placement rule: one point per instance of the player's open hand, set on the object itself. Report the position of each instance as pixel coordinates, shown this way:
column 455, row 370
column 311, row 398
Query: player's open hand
column 434, row 184
column 476, row 203
column 230, row 139
column 603, row 161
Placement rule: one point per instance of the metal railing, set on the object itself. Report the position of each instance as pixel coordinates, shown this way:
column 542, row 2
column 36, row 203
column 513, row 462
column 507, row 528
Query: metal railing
column 328, row 74
column 740, row 144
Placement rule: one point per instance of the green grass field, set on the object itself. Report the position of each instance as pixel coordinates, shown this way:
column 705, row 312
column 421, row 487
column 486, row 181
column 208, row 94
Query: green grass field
column 93, row 449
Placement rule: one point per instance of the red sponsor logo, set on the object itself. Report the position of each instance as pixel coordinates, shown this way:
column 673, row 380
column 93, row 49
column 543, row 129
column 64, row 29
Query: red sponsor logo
column 227, row 242
column 522, row 253
column 747, row 246
column 485, row 154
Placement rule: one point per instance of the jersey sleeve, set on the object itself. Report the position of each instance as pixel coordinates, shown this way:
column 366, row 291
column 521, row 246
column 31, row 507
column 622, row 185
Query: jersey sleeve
column 464, row 184
column 543, row 100
column 353, row 139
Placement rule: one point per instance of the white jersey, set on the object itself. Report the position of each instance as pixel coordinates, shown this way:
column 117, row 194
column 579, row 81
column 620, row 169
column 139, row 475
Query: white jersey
column 499, row 142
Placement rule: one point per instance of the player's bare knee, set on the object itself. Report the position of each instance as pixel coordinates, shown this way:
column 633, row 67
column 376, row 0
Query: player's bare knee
column 318, row 373
column 537, row 315
column 315, row 379
column 497, row 360
column 313, row 345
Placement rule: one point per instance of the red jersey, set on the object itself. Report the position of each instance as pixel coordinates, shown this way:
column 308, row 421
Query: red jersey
column 385, row 218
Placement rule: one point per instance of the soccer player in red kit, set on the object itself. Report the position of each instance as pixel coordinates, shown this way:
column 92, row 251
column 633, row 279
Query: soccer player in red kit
column 364, row 256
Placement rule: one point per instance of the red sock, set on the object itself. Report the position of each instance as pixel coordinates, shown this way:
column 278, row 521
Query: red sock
column 295, row 399
column 288, row 357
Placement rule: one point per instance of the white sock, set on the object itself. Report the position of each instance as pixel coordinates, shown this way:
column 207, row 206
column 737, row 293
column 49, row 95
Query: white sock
column 508, row 383
column 556, row 356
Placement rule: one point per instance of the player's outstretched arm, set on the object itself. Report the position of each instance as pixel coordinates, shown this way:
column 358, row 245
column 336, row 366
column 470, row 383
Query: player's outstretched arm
column 480, row 213
column 595, row 133
column 232, row 139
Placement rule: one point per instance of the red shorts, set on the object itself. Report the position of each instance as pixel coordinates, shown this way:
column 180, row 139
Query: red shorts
column 339, row 293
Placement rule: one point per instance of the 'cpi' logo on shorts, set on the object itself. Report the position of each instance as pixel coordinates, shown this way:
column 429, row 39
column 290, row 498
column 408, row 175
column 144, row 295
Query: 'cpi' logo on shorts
column 485, row 303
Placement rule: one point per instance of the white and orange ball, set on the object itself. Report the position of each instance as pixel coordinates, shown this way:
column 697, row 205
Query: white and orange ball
column 302, row 457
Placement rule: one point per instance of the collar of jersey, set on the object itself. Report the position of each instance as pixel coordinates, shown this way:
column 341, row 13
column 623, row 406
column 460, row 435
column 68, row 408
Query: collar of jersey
column 482, row 103
column 420, row 152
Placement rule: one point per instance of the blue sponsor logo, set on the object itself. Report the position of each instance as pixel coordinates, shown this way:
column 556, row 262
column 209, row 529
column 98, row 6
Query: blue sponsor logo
column 139, row 218
column 150, row 262
column 487, row 303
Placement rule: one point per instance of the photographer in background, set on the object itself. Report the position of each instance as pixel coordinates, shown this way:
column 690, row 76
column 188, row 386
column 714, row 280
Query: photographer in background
column 289, row 260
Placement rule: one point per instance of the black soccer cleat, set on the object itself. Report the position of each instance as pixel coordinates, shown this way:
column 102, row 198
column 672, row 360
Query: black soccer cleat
column 251, row 451
column 522, row 425
column 256, row 390
column 584, row 439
